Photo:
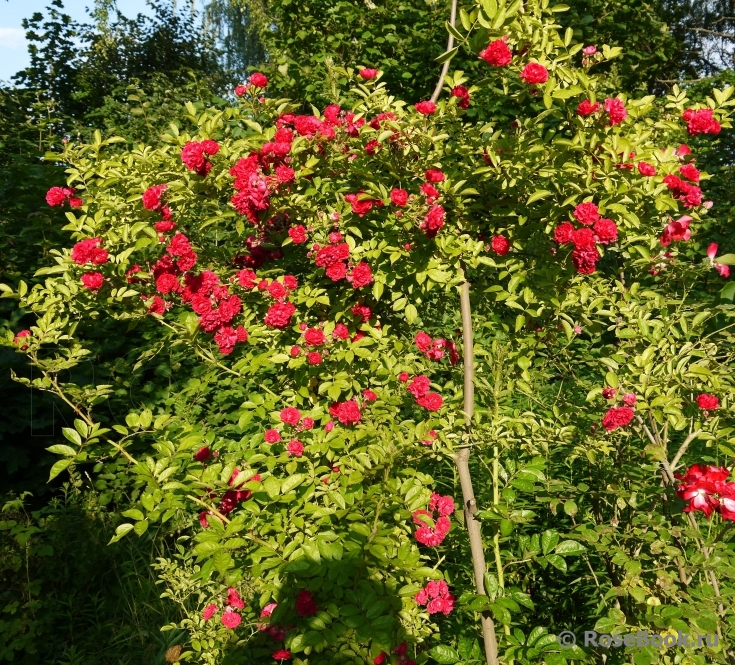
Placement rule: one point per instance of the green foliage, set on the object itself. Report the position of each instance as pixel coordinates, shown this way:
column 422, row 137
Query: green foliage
column 67, row 597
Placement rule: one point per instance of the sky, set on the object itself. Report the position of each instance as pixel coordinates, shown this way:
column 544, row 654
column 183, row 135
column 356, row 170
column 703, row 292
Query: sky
column 13, row 46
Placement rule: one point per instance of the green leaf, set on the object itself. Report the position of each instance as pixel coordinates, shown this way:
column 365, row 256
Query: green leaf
column 726, row 259
column 570, row 548
column 557, row 561
column 447, row 55
column 549, row 539
column 444, row 654
column 57, row 468
column 71, row 434
column 538, row 195
column 133, row 514
column 292, row 482
column 728, row 292
column 121, row 531
column 61, row 449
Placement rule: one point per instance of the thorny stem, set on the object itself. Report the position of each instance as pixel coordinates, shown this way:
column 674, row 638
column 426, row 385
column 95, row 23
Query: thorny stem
column 468, row 495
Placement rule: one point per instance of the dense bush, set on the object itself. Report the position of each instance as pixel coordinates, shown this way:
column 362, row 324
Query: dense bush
column 306, row 283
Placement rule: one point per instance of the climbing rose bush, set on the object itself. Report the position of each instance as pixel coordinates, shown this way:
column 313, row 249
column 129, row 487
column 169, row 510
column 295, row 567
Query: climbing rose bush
column 306, row 266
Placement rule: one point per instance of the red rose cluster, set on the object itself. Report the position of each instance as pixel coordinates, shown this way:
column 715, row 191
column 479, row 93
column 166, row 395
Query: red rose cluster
column 89, row 251
column 585, row 255
column 690, row 195
column 58, row 196
column 497, row 53
column 617, row 416
column 230, row 618
column 705, row 488
column 334, row 258
column 434, row 349
column 420, row 389
column 348, row 413
column 435, row 595
column 194, row 155
column 153, row 200
column 701, row 121
column 433, row 531
column 707, row 402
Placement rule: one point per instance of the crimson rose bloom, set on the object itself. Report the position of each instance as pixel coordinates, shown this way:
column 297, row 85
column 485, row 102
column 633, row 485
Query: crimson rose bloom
column 361, row 275
column 230, row 619
column 152, row 196
column 281, row 654
column 425, row 108
column 92, row 280
column 497, row 54
column 18, row 339
column 644, row 168
column 314, row 358
column 615, row 110
column 368, row 73
column 585, row 260
column 563, row 233
column 399, row 197
column 259, row 80
column 306, row 604
column 617, row 416
column 422, row 341
column 56, row 196
column 369, row 395
column 586, row 213
column 708, row 402
column 500, row 245
column 434, row 175
column 701, row 122
column 349, row 413
column 431, row 401
column 272, row 436
column 290, row 415
column 606, row 231
column 690, row 172
column 314, row 336
column 295, row 448
column 419, row 386
column 433, row 221
column 586, row 108
column 234, row 600
column 534, row 73
column 209, row 611
column 203, row 454
column 341, row 331
column 279, row 315
column 337, row 271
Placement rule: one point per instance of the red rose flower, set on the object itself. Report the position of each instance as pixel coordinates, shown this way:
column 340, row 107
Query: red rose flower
column 399, row 197
column 615, row 110
column 369, row 395
column 431, row 401
column 586, row 108
column 690, row 172
column 707, row 402
column 617, row 416
column 272, row 436
column 586, row 213
column 152, row 197
column 295, row 448
column 279, row 315
column 92, row 280
column 462, row 94
column 368, row 74
column 290, row 416
column 500, row 245
column 701, row 122
column 646, row 169
column 230, row 619
column 259, row 80
column 361, row 275
column 563, row 233
column 606, row 231
column 314, row 336
column 425, row 108
column 314, row 358
column 534, row 73
column 497, row 54
column 422, row 341
column 434, row 175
